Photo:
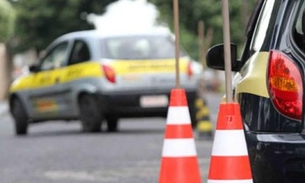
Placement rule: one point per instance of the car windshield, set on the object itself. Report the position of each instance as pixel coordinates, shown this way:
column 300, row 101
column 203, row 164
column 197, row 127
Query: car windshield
column 140, row 47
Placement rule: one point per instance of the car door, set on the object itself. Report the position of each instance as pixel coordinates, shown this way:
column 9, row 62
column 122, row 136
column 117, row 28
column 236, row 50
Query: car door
column 72, row 78
column 46, row 95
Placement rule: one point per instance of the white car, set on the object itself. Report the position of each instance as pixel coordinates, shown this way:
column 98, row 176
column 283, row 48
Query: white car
column 91, row 76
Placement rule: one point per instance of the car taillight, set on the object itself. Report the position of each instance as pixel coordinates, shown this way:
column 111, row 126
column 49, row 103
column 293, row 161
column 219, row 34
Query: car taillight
column 189, row 70
column 285, row 85
column 109, row 73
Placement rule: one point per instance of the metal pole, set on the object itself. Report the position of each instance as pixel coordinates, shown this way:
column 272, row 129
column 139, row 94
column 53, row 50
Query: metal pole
column 227, row 50
column 177, row 43
column 200, row 42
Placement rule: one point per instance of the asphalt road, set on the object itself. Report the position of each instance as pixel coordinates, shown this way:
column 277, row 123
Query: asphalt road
column 59, row 152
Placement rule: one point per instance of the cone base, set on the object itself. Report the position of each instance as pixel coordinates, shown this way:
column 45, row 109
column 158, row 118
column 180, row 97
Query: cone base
column 230, row 168
column 180, row 170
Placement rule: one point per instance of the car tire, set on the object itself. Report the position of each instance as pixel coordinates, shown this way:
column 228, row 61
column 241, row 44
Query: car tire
column 112, row 124
column 20, row 117
column 90, row 115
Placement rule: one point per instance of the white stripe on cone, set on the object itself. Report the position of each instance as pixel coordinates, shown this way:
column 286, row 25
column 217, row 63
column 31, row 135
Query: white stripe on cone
column 231, row 181
column 179, row 148
column 229, row 143
column 178, row 115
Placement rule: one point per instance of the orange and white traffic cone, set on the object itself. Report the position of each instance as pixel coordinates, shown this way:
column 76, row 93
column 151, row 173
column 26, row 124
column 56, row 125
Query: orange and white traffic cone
column 230, row 161
column 179, row 158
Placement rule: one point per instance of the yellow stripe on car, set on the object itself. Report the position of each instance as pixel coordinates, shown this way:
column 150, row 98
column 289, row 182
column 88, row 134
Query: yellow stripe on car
column 153, row 66
column 62, row 75
column 83, row 70
column 255, row 81
column 94, row 69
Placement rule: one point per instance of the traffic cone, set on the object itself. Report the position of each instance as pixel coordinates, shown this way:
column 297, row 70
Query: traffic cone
column 204, row 125
column 179, row 158
column 230, row 161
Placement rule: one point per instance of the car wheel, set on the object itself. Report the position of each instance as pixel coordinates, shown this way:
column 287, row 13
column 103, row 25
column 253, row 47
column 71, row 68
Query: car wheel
column 90, row 115
column 112, row 124
column 20, row 117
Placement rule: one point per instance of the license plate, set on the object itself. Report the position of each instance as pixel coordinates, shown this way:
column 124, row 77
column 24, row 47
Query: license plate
column 154, row 101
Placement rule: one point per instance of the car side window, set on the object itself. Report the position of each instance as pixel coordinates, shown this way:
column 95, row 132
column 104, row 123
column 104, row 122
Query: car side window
column 55, row 58
column 262, row 29
column 80, row 53
column 299, row 28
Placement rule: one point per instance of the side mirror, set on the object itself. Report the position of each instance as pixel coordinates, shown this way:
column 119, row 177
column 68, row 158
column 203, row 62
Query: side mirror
column 215, row 57
column 34, row 68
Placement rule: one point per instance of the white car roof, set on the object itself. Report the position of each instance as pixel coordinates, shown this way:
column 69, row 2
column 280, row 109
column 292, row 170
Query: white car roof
column 106, row 33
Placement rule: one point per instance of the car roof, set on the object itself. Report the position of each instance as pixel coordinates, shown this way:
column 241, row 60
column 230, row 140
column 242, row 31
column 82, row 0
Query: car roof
column 107, row 34
column 104, row 34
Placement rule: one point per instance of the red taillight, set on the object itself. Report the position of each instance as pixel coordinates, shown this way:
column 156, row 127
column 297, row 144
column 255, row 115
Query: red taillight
column 285, row 84
column 189, row 69
column 109, row 73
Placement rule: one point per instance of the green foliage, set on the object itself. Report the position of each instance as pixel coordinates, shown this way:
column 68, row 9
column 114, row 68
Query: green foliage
column 41, row 21
column 7, row 20
column 193, row 11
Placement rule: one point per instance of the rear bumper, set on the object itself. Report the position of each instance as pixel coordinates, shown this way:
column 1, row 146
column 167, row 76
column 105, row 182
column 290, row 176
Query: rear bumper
column 127, row 104
column 277, row 158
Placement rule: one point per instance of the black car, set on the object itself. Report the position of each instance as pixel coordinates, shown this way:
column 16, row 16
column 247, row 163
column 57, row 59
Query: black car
column 268, row 84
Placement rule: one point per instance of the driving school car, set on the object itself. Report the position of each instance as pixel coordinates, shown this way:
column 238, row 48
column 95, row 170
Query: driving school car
column 269, row 86
column 92, row 76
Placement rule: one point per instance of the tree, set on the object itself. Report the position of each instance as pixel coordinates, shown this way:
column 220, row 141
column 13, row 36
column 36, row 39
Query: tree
column 7, row 20
column 40, row 22
column 193, row 11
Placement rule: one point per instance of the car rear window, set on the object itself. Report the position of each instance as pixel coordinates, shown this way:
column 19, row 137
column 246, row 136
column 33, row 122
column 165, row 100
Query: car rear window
column 140, row 47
